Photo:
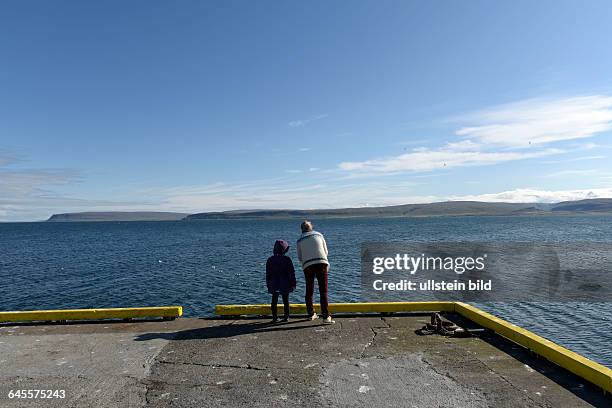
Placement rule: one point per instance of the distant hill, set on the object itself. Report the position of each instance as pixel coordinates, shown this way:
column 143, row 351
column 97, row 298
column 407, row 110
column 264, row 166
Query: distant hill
column 593, row 205
column 117, row 216
column 406, row 210
column 446, row 208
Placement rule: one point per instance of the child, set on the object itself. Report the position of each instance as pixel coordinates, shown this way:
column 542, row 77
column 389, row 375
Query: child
column 280, row 277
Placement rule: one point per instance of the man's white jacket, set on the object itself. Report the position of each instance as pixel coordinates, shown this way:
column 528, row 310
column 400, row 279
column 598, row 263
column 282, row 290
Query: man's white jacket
column 312, row 249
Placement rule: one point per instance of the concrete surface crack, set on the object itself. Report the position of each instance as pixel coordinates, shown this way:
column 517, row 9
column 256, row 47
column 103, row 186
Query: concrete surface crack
column 503, row 378
column 374, row 334
column 444, row 374
column 369, row 343
column 244, row 367
column 450, row 377
column 146, row 401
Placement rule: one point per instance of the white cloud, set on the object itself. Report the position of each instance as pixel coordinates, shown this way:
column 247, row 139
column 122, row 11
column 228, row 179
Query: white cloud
column 498, row 135
column 303, row 122
column 7, row 158
column 505, row 133
column 413, row 142
column 540, row 121
column 528, row 195
column 26, row 181
column 572, row 173
column 28, row 194
column 452, row 155
column 575, row 159
column 284, row 194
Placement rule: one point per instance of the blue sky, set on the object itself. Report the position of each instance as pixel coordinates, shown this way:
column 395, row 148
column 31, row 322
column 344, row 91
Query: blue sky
column 199, row 106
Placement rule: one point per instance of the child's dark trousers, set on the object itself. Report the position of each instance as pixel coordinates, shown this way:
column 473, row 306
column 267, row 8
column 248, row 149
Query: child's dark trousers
column 275, row 303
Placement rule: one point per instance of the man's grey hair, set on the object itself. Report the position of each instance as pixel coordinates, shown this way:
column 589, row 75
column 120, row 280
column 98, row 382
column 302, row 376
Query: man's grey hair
column 306, row 226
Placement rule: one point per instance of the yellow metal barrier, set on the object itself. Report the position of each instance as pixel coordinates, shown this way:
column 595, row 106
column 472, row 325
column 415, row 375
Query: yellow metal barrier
column 300, row 308
column 91, row 314
column 573, row 362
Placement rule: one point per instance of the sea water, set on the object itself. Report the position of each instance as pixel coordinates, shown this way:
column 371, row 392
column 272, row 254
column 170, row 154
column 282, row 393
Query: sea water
column 198, row 264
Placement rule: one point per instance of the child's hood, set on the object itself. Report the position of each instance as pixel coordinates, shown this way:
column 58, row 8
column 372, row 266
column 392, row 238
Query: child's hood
column 281, row 247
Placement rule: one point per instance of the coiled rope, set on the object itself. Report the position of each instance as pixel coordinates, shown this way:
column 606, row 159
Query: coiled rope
column 443, row 327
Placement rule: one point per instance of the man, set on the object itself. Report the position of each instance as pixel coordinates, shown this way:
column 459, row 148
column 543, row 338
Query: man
column 312, row 254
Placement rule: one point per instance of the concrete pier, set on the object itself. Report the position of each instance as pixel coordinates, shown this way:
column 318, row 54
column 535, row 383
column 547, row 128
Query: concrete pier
column 358, row 362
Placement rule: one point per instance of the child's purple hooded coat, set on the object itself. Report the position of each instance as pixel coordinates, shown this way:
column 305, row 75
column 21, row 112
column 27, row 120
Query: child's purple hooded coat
column 280, row 275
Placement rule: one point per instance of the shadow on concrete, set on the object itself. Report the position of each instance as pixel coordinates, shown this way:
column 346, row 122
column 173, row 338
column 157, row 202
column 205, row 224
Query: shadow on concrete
column 230, row 330
column 571, row 382
column 351, row 315
column 82, row 322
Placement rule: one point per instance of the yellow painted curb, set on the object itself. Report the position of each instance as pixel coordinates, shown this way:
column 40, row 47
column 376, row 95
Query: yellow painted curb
column 300, row 308
column 91, row 314
column 571, row 361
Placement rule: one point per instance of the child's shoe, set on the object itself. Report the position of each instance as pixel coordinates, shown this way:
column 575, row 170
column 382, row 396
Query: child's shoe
column 314, row 316
column 329, row 320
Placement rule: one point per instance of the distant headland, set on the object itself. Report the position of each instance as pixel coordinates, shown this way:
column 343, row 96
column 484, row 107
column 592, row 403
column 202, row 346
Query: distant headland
column 446, row 208
column 117, row 216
